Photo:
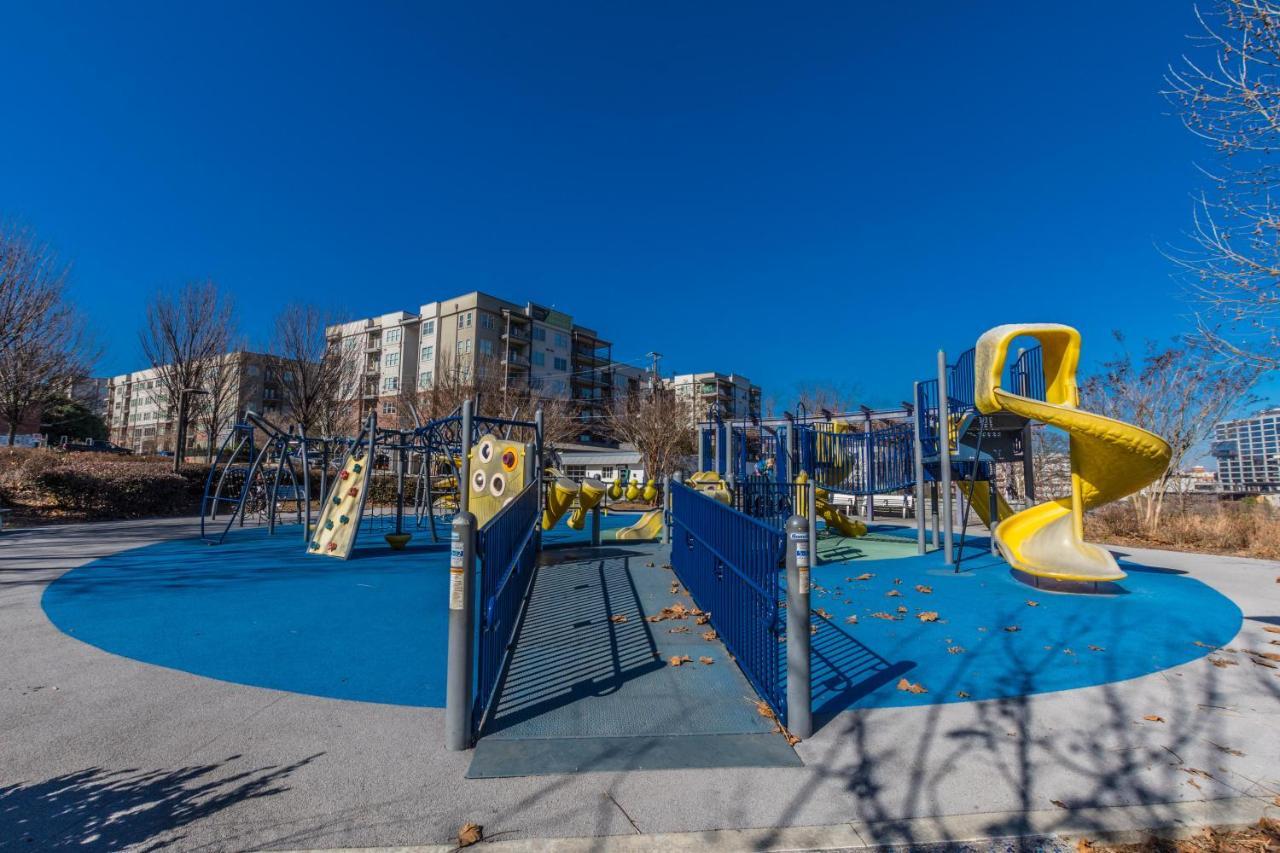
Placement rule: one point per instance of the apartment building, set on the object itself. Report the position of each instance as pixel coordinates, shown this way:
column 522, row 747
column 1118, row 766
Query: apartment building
column 141, row 417
column 477, row 336
column 1248, row 452
column 92, row 392
column 732, row 396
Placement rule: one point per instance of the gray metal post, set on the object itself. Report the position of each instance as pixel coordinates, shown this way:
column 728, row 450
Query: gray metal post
column 458, row 686
column 703, row 431
column 464, row 479
column 595, row 525
column 538, row 423
column 812, row 512
column 799, row 694
column 402, row 460
column 934, row 513
column 666, row 510
column 728, row 455
column 944, row 459
column 917, row 449
column 869, row 511
column 791, row 447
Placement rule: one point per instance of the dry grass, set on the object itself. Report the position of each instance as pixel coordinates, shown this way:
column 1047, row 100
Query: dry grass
column 1244, row 528
column 1262, row 837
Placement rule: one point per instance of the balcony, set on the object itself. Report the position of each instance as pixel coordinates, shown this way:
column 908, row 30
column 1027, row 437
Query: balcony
column 516, row 335
column 516, row 360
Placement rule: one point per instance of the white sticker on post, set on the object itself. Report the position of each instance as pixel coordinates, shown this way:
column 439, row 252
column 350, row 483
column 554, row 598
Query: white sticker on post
column 802, row 557
column 456, row 599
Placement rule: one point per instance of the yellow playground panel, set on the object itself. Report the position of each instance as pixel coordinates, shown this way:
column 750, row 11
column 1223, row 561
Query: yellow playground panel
column 1110, row 459
column 339, row 521
column 500, row 470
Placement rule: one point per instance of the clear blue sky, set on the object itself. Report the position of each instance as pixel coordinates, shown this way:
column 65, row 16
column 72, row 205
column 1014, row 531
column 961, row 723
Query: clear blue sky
column 816, row 192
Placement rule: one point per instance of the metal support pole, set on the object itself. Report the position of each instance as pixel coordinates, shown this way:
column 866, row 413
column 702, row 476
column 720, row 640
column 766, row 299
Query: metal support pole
column 869, row 443
column 666, row 510
column 993, row 508
column 917, row 449
column 811, row 509
column 934, row 514
column 595, row 525
column 458, row 685
column 944, row 459
column 464, row 478
column 539, row 468
column 729, row 467
column 703, row 434
column 799, row 694
column 400, row 468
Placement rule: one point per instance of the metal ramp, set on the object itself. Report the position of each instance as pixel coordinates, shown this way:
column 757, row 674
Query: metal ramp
column 590, row 686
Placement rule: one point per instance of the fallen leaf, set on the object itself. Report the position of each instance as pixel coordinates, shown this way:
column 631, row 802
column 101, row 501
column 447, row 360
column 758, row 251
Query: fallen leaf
column 679, row 629
column 705, row 659
column 897, row 580
column 470, row 834
column 676, row 660
column 813, row 629
column 1221, row 663
column 1012, row 629
column 703, row 619
column 1031, row 603
column 619, row 619
column 924, row 589
column 927, row 616
column 1084, row 845
column 1197, row 772
column 961, row 694
column 1193, row 783
column 902, row 608
column 824, row 614
column 851, row 620
column 1068, row 652
column 709, row 635
column 1203, row 645
column 866, row 576
column 1096, row 649
column 1060, row 804
column 908, row 687
column 893, row 593
column 1273, row 629
column 1267, row 655
column 763, row 709
column 1228, row 750
column 649, row 565
column 955, row 650
column 881, row 615
column 1153, row 718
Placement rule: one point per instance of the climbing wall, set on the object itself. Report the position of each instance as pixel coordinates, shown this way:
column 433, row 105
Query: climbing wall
column 335, row 531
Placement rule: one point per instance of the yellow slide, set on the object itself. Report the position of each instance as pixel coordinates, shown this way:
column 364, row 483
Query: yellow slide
column 1110, row 459
column 850, row 527
column 978, row 493
column 648, row 527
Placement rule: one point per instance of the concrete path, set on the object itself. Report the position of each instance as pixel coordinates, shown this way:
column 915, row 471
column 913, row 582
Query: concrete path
column 101, row 752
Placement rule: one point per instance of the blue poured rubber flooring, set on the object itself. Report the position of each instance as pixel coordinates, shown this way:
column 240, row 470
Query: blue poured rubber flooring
column 1062, row 641
column 258, row 611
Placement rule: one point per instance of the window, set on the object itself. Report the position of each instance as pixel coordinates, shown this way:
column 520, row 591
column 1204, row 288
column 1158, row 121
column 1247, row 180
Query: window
column 391, row 383
column 539, row 333
column 392, row 336
column 424, row 379
column 561, row 364
column 429, row 327
column 391, row 359
column 485, row 347
column 461, row 317
column 562, row 341
column 428, row 352
column 575, row 472
column 540, row 358
column 486, row 321
column 469, row 313
column 388, row 408
column 468, row 343
column 606, row 473
column 459, row 348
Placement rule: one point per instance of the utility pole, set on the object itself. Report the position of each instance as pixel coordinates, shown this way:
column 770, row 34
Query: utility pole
column 655, row 357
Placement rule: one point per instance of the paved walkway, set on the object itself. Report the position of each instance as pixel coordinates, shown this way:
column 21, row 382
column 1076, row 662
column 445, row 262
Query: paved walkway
column 103, row 752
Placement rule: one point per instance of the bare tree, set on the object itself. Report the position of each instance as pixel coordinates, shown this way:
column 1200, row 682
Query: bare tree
column 1228, row 95
column 1178, row 393
column 184, row 332
column 817, row 397
column 317, row 376
column 660, row 425
column 216, row 407
column 44, row 346
column 32, row 282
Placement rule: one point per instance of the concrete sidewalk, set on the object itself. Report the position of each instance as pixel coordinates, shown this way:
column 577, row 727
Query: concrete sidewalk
column 102, row 752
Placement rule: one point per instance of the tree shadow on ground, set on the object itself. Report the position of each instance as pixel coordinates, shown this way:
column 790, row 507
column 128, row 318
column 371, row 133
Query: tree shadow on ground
column 101, row 809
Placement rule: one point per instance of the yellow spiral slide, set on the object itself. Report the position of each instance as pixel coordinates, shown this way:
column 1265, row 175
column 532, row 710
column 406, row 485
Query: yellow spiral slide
column 1110, row 459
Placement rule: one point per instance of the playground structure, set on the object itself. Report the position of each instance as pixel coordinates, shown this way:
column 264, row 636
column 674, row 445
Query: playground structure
column 753, row 506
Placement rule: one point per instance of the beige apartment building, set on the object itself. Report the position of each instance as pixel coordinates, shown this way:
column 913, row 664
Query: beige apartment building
column 141, row 417
column 731, row 395
column 516, row 346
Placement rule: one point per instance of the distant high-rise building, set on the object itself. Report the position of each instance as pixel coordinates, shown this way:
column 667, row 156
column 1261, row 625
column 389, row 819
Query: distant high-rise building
column 730, row 395
column 1248, row 452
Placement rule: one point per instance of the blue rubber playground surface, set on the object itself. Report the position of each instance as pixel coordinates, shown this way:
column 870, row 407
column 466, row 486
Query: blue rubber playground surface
column 257, row 610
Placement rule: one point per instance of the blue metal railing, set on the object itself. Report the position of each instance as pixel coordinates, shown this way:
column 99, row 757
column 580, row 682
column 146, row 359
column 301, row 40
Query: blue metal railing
column 1026, row 374
column 731, row 565
column 765, row 499
column 858, row 463
column 506, row 552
